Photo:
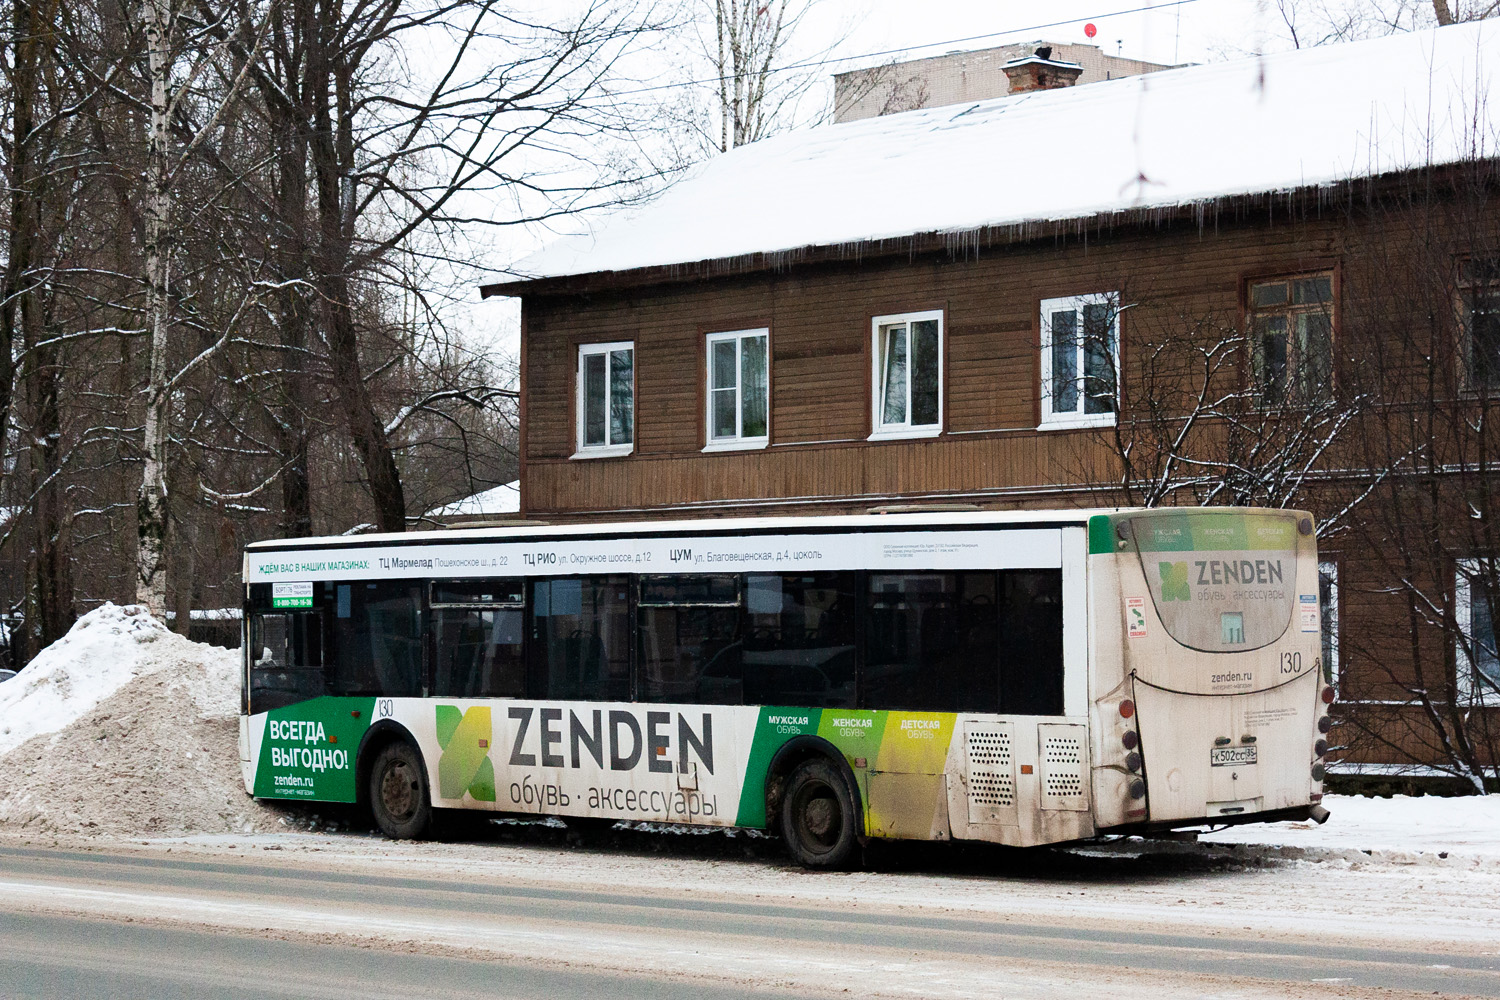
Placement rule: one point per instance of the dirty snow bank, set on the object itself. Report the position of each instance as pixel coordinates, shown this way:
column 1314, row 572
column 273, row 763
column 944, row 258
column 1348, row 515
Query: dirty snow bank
column 1402, row 824
column 123, row 726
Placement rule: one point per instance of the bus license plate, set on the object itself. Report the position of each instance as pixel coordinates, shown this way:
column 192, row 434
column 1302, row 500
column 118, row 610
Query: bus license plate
column 1231, row 756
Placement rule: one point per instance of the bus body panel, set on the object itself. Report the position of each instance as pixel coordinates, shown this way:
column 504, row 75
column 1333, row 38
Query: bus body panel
column 918, row 773
column 1222, row 733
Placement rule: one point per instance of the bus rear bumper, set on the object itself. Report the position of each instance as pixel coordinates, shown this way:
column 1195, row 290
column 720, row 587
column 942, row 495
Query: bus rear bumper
column 1316, row 813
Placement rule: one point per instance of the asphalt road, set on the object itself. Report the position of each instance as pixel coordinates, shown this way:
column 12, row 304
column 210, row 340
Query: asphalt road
column 87, row 924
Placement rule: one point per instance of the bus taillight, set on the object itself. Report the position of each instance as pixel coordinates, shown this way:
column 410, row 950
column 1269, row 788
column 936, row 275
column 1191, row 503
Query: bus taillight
column 1127, row 708
column 1131, row 739
column 1328, row 695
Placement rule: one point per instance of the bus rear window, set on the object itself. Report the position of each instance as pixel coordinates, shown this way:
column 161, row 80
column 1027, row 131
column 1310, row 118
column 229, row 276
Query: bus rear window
column 1220, row 582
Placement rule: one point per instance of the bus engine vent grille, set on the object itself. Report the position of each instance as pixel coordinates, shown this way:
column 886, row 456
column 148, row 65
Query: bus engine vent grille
column 1064, row 767
column 992, row 776
column 990, row 789
column 989, row 748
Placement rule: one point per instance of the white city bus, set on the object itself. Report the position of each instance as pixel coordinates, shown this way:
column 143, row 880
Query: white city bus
column 1014, row 677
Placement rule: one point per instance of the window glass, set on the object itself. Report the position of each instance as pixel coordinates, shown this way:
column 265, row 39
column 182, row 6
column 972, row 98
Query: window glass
column 725, row 368
column 1291, row 349
column 924, row 372
column 1482, row 635
column 1479, row 665
column 1479, row 282
column 596, row 398
column 1098, row 358
column 580, row 638
column 621, row 397
column 1065, row 360
column 606, row 395
column 286, row 659
column 754, row 379
column 476, row 592
column 800, row 640
column 1270, row 357
column 1080, row 346
column 930, row 642
column 695, row 589
column 690, row 654
column 377, row 646
column 893, row 408
column 909, row 375
column 1030, row 641
column 689, row 631
column 478, row 653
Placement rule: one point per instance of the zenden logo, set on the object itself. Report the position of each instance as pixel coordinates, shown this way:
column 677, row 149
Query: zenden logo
column 464, row 738
column 1174, row 581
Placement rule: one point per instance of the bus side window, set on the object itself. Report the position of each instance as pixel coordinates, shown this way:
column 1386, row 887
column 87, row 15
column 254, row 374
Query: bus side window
column 580, row 638
column 930, row 642
column 690, row 649
column 286, row 658
column 1031, row 671
column 478, row 629
column 377, row 640
column 800, row 639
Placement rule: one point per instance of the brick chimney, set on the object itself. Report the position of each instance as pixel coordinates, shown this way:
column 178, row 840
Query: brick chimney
column 1040, row 71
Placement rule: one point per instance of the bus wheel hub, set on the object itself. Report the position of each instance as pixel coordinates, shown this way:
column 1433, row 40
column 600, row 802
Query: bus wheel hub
column 818, row 817
column 398, row 792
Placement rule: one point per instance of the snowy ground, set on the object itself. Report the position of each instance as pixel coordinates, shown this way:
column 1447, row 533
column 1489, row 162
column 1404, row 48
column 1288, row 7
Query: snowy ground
column 1466, row 827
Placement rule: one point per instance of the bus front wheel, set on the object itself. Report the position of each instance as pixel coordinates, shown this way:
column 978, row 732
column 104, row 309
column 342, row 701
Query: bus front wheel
column 398, row 793
column 818, row 815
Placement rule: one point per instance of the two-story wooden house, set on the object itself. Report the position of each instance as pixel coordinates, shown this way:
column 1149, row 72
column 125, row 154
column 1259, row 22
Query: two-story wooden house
column 953, row 305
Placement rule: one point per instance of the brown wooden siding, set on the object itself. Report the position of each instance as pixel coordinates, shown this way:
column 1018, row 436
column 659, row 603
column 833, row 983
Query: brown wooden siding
column 819, row 319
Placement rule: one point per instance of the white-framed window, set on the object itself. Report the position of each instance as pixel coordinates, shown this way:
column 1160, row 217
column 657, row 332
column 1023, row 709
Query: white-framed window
column 907, row 351
column 606, row 399
column 1328, row 601
column 1476, row 659
column 1080, row 360
column 738, row 390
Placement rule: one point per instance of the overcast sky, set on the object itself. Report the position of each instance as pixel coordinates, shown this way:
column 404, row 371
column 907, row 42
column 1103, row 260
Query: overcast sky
column 1196, row 31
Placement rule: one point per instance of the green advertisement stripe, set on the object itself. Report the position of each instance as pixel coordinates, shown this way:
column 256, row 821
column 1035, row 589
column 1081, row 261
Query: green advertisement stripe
column 307, row 750
column 773, row 729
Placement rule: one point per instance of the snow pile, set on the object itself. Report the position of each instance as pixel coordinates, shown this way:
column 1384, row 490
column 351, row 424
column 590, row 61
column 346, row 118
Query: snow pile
column 1402, row 825
column 104, row 650
column 124, row 727
column 1188, row 136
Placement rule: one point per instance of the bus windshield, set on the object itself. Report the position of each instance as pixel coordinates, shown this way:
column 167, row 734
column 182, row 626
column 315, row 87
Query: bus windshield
column 1220, row 582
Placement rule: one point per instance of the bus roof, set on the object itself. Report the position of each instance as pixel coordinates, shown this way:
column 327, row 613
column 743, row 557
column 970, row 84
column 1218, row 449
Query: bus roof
column 717, row 525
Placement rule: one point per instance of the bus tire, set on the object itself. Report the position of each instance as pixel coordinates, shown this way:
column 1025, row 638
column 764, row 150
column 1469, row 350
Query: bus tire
column 398, row 792
column 818, row 815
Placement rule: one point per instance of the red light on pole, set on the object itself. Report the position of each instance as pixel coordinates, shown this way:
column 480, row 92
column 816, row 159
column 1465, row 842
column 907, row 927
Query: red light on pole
column 1090, row 30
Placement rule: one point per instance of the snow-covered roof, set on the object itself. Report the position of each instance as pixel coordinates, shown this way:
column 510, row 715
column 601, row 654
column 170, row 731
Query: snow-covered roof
column 503, row 499
column 1174, row 138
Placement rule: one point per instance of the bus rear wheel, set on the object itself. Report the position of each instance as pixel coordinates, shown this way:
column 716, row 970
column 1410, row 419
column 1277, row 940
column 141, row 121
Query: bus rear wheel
column 818, row 815
column 398, row 793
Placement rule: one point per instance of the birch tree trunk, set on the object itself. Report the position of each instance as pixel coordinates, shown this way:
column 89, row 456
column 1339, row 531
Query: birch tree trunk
column 151, row 505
